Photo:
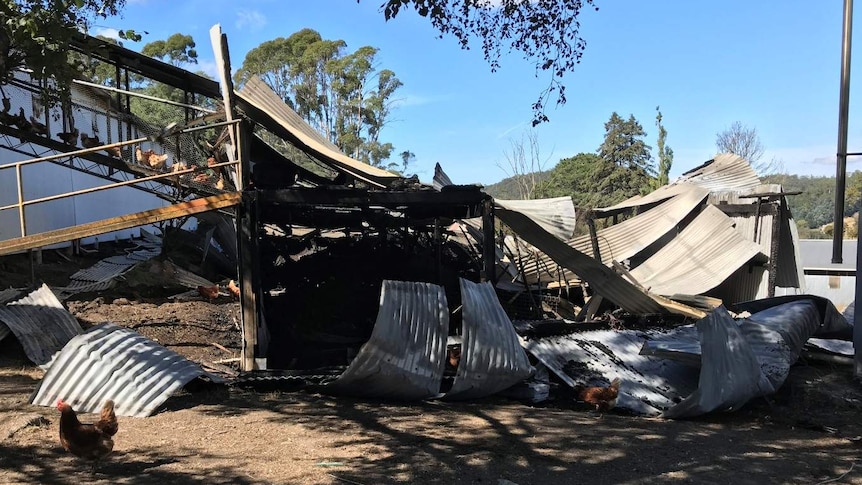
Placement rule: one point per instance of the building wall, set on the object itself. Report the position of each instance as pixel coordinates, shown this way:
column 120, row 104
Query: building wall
column 46, row 179
column 841, row 290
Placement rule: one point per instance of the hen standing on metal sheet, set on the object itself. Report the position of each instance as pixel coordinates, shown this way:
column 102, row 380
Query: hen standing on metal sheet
column 603, row 398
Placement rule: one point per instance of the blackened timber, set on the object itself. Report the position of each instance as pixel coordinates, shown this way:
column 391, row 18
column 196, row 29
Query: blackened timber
column 264, row 155
column 338, row 196
column 469, row 202
column 489, row 250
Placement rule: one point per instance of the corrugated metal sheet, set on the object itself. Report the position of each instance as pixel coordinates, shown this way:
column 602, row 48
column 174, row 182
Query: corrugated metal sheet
column 658, row 195
column 112, row 362
column 256, row 93
column 556, row 215
column 749, row 286
column 604, row 281
column 491, row 357
column 440, row 178
column 724, row 172
column 741, row 361
column 624, row 240
column 181, row 276
column 699, row 258
column 405, row 356
column 104, row 270
column 101, row 275
column 649, row 384
column 40, row 323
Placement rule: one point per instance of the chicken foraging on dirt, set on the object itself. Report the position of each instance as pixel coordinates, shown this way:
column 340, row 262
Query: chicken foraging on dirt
column 90, row 442
column 603, row 398
column 209, row 292
column 234, row 289
column 69, row 137
column 150, row 158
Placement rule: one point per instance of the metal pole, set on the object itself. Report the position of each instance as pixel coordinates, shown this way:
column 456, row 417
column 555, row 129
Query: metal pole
column 21, row 200
column 843, row 114
column 837, row 237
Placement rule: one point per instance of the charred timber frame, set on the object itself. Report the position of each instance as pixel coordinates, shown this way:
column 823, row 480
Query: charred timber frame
column 419, row 208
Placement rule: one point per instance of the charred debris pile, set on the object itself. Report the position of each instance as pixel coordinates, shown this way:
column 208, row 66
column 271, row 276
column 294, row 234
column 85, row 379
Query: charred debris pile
column 324, row 254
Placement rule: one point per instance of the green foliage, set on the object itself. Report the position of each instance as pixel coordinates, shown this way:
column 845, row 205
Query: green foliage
column 665, row 153
column 546, row 31
column 178, row 49
column 624, row 145
column 97, row 71
column 624, row 148
column 341, row 94
column 815, row 206
column 35, row 34
column 511, row 187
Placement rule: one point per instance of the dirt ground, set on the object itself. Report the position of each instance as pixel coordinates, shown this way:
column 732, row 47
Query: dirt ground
column 233, row 434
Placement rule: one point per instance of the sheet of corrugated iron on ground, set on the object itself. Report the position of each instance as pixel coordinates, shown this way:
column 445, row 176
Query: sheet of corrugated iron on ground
column 112, row 362
column 405, row 356
column 103, row 274
column 492, row 358
column 41, row 323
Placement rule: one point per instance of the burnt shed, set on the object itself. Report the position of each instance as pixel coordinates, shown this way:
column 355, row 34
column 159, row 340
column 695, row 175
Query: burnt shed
column 321, row 232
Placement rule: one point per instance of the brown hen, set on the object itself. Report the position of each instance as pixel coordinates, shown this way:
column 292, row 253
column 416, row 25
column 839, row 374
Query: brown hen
column 603, row 398
column 90, row 442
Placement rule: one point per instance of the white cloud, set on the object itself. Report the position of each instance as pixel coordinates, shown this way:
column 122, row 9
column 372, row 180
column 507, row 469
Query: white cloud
column 249, row 18
column 108, row 32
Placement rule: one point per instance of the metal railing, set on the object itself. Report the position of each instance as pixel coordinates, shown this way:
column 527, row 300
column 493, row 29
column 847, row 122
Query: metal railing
column 21, row 203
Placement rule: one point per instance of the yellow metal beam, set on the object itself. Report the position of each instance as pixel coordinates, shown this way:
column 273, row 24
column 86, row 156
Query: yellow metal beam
column 122, row 222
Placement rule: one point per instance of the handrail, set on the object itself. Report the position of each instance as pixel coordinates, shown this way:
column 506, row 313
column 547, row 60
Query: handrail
column 21, row 204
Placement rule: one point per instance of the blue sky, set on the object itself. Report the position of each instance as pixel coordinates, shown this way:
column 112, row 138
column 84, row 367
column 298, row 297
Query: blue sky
column 771, row 65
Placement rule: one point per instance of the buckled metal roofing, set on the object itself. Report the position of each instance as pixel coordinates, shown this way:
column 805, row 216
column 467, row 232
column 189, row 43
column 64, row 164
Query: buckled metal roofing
column 405, row 356
column 594, row 358
column 556, row 215
column 699, row 258
column 492, row 358
column 102, row 275
column 40, row 323
column 724, row 172
column 275, row 115
column 626, row 239
column 604, row 281
column 112, row 362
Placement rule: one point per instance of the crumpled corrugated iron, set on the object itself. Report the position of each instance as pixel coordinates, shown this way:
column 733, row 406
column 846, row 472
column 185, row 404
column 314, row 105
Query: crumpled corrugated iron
column 113, row 362
column 41, row 323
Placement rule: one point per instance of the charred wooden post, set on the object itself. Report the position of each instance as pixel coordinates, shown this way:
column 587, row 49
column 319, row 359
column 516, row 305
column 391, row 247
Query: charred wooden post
column 594, row 238
column 248, row 262
column 489, row 250
column 775, row 210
